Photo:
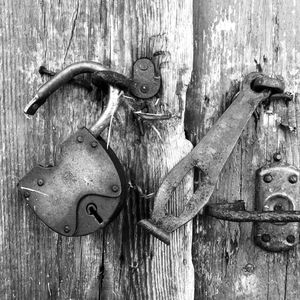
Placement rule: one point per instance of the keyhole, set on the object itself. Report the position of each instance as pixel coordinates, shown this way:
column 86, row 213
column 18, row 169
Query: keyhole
column 91, row 209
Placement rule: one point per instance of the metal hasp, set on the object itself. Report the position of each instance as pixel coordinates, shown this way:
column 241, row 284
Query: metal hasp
column 277, row 190
column 277, row 213
column 145, row 83
column 210, row 155
column 87, row 187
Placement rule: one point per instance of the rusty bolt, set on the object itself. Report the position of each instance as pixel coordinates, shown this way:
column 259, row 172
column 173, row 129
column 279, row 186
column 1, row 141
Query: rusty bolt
column 144, row 89
column 268, row 178
column 79, row 139
column 249, row 268
column 94, row 144
column 266, row 238
column 26, row 194
column 40, row 182
column 115, row 188
column 293, row 179
column 277, row 156
column 291, row 239
column 67, row 228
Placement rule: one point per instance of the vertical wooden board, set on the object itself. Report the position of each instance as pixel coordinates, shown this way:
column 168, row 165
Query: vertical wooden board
column 228, row 37
column 137, row 266
column 122, row 262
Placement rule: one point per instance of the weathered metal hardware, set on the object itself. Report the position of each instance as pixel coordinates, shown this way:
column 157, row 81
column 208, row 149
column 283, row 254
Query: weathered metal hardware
column 144, row 84
column 87, row 187
column 277, row 214
column 76, row 81
column 236, row 212
column 209, row 156
column 278, row 190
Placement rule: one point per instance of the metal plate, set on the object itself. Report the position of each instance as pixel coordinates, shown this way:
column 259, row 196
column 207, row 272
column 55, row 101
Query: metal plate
column 145, row 83
column 87, row 173
column 277, row 190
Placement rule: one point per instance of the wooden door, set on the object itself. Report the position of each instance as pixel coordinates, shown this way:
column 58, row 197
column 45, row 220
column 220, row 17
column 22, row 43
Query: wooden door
column 231, row 39
column 203, row 46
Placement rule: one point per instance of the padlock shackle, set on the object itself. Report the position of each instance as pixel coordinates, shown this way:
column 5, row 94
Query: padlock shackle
column 105, row 118
column 65, row 76
column 58, row 80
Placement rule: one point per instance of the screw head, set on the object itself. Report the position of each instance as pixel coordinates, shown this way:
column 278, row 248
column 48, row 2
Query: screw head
column 144, row 89
column 40, row 182
column 26, row 194
column 293, row 179
column 94, row 144
column 268, row 178
column 115, row 188
column 67, row 229
column 249, row 268
column 79, row 139
column 266, row 238
column 277, row 156
column 291, row 239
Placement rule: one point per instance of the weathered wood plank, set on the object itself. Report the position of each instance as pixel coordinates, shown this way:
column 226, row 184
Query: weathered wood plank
column 121, row 262
column 229, row 36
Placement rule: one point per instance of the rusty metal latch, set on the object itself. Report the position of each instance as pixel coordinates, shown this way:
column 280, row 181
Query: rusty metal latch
column 87, row 187
column 277, row 213
column 210, row 155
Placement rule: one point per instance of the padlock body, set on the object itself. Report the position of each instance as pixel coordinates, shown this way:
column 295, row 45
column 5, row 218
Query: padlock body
column 83, row 192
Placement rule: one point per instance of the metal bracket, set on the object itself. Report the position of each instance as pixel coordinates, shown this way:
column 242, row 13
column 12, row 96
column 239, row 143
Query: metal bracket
column 144, row 83
column 277, row 214
column 277, row 190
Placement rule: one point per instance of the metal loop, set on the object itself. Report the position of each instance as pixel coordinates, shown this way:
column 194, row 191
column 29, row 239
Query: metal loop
column 276, row 85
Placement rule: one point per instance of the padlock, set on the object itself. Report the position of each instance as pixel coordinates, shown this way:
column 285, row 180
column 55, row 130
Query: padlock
column 85, row 190
column 87, row 187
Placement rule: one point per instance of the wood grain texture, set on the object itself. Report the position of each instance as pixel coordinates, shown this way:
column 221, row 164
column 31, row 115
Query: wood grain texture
column 228, row 37
column 121, row 262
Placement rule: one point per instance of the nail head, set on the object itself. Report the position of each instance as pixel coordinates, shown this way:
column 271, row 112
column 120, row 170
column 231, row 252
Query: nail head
column 79, row 139
column 268, row 178
column 293, row 179
column 40, row 182
column 115, row 188
column 67, row 228
column 94, row 144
